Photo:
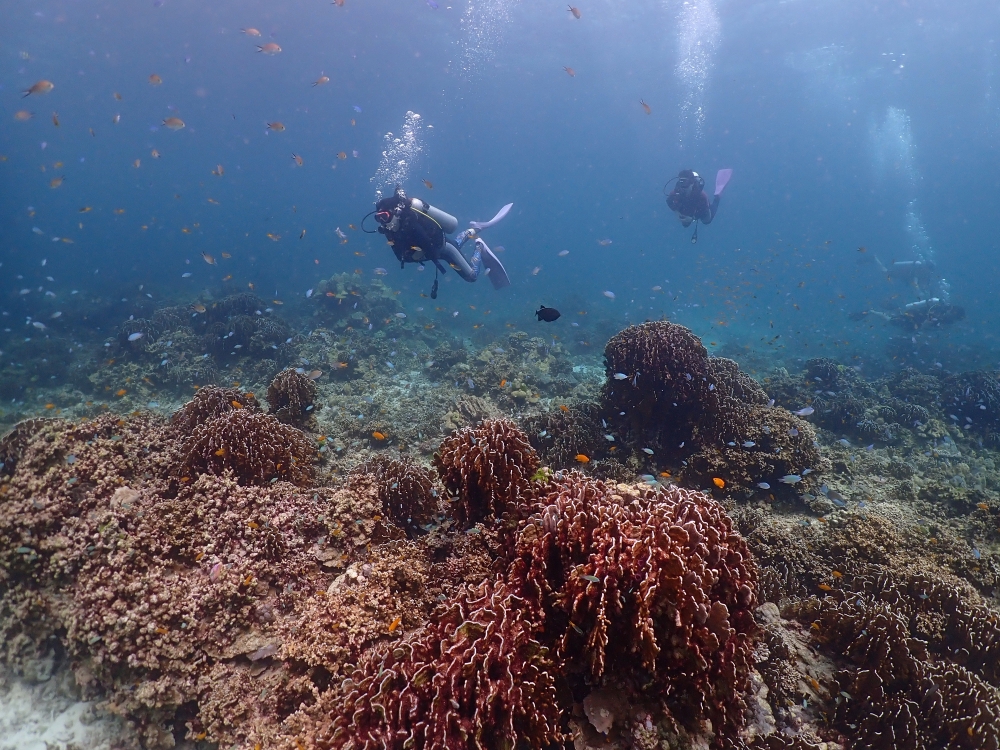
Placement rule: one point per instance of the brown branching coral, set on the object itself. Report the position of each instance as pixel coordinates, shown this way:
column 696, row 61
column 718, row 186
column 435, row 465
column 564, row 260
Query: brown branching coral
column 486, row 467
column 475, row 676
column 919, row 662
column 646, row 587
column 256, row 447
column 406, row 491
column 211, row 402
column 664, row 390
column 290, row 396
column 666, row 372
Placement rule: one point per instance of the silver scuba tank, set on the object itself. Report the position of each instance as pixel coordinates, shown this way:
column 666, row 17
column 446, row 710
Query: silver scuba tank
column 448, row 222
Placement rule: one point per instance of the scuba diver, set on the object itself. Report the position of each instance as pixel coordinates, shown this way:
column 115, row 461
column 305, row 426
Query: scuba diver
column 689, row 200
column 417, row 231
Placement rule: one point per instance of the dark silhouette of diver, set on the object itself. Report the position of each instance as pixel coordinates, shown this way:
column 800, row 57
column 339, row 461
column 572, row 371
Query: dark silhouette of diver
column 689, row 200
column 417, row 231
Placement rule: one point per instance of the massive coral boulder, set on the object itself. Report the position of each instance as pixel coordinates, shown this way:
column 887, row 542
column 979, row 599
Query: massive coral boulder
column 486, row 468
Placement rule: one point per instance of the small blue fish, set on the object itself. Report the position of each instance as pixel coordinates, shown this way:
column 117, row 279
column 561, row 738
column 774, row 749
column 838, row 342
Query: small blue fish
column 610, row 438
column 135, row 336
column 791, row 479
column 793, row 432
column 620, row 376
column 592, row 579
column 433, row 5
column 804, row 412
column 976, row 553
column 357, row 108
column 749, row 443
column 764, row 485
column 648, row 451
column 844, row 442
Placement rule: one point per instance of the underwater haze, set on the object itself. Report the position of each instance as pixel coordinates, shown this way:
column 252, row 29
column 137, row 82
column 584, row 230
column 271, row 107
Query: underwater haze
column 695, row 444
column 848, row 125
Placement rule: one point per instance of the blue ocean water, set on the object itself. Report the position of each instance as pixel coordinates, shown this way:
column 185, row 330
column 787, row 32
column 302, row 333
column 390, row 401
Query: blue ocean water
column 868, row 124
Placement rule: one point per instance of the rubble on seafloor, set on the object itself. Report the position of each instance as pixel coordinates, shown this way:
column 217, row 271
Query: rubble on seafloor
column 405, row 491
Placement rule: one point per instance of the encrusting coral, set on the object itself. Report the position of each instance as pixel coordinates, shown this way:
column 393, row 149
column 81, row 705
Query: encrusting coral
column 486, row 468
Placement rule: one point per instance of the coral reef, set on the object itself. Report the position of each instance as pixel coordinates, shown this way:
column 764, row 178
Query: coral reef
column 485, row 468
column 290, row 396
column 255, row 447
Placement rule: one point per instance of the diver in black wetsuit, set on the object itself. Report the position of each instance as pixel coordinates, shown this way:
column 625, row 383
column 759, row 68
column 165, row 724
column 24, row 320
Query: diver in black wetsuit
column 416, row 232
column 689, row 200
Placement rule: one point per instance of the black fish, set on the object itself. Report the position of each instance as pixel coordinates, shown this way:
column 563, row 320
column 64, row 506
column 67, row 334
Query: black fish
column 548, row 314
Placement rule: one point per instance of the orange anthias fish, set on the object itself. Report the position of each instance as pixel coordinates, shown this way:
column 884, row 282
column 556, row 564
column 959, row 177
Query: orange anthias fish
column 174, row 123
column 582, row 458
column 574, row 11
column 55, row 119
column 321, row 80
column 23, row 115
column 269, row 49
column 227, row 255
column 428, row 184
column 572, row 73
column 276, row 126
column 155, row 154
column 56, row 182
column 341, row 155
column 298, row 159
column 378, row 435
column 645, row 107
column 208, row 259
column 218, row 171
column 40, row 87
column 250, row 31
column 155, row 80
column 719, row 482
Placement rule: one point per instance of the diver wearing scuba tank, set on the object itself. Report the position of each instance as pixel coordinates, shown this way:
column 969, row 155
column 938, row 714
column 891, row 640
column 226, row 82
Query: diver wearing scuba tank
column 417, row 231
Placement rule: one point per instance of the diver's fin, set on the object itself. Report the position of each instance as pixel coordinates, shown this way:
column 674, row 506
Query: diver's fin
column 496, row 272
column 496, row 219
column 722, row 179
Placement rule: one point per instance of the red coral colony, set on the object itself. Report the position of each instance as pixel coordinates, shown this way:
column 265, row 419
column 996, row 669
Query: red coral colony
column 181, row 568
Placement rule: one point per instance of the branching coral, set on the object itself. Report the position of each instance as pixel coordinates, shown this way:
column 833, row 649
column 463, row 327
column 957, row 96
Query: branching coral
column 702, row 409
column 475, row 676
column 290, row 396
column 211, row 402
column 647, row 588
column 486, row 468
column 665, row 369
column 921, row 663
column 406, row 491
column 256, row 447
